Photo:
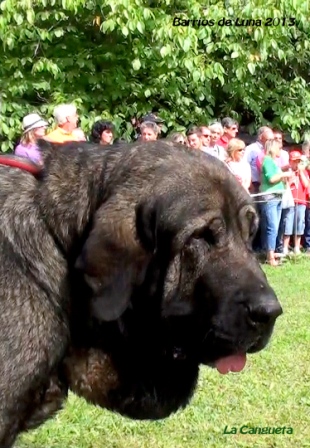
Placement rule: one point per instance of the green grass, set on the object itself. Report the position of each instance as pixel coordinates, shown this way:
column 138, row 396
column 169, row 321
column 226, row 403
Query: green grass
column 273, row 390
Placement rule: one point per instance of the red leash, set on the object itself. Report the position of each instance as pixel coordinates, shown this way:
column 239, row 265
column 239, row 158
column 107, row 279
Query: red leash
column 21, row 163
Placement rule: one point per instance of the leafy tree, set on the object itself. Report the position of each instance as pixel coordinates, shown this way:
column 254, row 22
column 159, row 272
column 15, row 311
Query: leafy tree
column 119, row 58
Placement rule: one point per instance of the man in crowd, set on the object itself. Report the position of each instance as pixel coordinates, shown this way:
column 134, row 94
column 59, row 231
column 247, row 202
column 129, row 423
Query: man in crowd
column 66, row 118
column 154, row 118
column 194, row 138
column 215, row 150
column 230, row 130
column 149, row 118
column 253, row 151
column 205, row 136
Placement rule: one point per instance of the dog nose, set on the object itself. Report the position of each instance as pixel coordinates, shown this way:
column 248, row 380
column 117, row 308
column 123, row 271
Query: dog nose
column 264, row 312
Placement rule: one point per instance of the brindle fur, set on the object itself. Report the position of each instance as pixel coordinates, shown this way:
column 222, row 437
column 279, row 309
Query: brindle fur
column 121, row 271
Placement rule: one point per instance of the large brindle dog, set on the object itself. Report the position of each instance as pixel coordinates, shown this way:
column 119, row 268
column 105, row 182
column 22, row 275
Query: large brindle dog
column 121, row 271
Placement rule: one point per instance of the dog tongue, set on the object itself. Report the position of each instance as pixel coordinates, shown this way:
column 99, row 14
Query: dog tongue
column 233, row 363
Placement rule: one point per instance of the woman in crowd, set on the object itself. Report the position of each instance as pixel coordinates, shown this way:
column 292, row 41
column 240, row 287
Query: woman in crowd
column 178, row 137
column 34, row 128
column 149, row 131
column 102, row 132
column 272, row 182
column 236, row 163
column 294, row 223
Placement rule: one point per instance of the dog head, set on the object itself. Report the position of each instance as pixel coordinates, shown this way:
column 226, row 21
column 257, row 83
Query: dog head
column 170, row 258
column 212, row 282
column 179, row 247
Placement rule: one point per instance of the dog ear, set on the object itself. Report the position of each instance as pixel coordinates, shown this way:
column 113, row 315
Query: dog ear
column 146, row 224
column 112, row 262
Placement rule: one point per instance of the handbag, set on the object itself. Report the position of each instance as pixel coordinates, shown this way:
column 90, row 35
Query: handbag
column 287, row 198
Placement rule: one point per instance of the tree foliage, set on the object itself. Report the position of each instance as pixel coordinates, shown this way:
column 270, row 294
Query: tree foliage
column 119, row 58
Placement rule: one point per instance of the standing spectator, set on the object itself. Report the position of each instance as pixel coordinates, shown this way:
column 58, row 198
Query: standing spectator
column 205, row 135
column 153, row 118
column 149, row 131
column 214, row 149
column 230, row 130
column 305, row 160
column 272, row 181
column 295, row 218
column 34, row 128
column 66, row 118
column 178, row 137
column 102, row 132
column 236, row 163
column 194, row 138
column 251, row 153
column 282, row 161
column 216, row 132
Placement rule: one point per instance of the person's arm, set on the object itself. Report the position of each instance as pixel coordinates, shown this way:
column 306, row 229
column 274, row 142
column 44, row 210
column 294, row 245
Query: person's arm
column 279, row 177
column 271, row 173
column 303, row 177
column 247, row 179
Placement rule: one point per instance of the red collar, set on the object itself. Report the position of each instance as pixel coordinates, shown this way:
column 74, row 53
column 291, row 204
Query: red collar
column 21, row 163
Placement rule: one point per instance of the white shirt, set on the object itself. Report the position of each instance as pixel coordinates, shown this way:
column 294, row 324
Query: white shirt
column 216, row 151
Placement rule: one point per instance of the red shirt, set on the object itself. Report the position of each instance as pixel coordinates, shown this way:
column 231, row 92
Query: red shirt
column 223, row 141
column 300, row 193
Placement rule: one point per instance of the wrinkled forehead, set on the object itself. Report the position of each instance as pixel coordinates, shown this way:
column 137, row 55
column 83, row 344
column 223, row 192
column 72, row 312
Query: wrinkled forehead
column 230, row 200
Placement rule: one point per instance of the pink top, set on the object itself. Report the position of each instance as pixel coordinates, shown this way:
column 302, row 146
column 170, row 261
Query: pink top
column 242, row 171
column 281, row 161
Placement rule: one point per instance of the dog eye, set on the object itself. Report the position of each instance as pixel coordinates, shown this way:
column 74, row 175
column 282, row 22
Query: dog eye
column 208, row 235
column 213, row 233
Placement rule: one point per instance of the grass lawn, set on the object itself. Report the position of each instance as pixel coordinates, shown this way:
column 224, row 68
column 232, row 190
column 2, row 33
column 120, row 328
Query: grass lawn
column 272, row 391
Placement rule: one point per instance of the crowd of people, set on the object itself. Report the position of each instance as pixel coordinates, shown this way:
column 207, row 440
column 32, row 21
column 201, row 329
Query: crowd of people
column 277, row 178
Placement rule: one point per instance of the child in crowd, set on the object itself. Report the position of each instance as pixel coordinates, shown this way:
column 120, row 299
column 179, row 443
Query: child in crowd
column 294, row 222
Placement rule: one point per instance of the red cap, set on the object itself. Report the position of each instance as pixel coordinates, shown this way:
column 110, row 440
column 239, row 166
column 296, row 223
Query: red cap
column 295, row 155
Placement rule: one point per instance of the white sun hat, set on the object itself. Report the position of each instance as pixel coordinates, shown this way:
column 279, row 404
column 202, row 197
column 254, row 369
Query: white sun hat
column 33, row 121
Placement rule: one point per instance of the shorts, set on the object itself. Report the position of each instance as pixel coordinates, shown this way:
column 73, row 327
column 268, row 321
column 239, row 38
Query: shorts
column 294, row 220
